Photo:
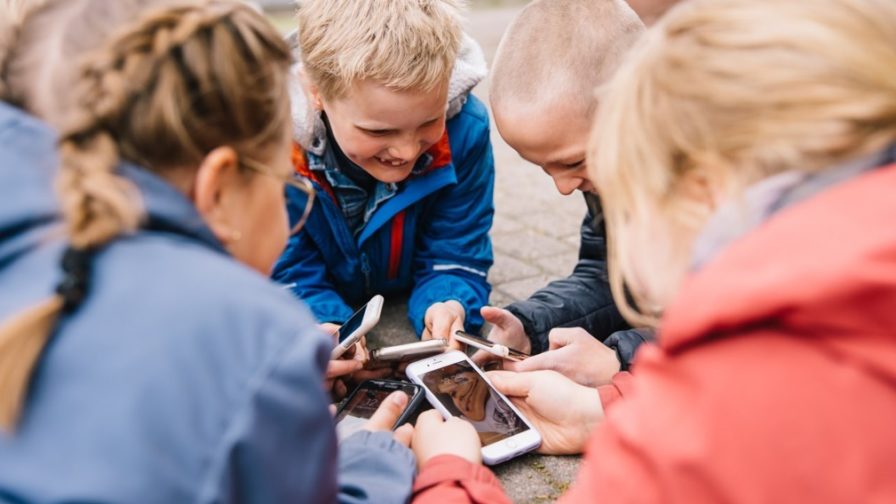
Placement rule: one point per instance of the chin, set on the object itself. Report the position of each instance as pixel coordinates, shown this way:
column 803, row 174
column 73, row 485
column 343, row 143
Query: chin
column 389, row 175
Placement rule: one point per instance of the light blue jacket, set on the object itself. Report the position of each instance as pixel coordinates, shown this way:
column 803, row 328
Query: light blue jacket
column 183, row 377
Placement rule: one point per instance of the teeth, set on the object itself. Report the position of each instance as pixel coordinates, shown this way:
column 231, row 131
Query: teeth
column 391, row 163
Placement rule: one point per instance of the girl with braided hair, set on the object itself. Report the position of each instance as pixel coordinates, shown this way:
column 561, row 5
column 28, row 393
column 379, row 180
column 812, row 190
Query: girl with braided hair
column 139, row 360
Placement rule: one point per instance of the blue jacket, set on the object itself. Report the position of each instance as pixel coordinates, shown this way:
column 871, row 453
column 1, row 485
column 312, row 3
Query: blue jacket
column 183, row 377
column 431, row 238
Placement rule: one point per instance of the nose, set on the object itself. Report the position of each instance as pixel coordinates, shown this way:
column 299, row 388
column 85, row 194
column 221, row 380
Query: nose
column 567, row 185
column 405, row 149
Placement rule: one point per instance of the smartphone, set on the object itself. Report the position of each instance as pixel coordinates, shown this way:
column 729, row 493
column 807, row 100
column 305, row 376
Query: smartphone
column 365, row 399
column 358, row 325
column 491, row 347
column 456, row 387
column 417, row 349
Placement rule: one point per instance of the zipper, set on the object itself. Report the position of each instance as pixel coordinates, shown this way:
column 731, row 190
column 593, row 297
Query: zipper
column 365, row 268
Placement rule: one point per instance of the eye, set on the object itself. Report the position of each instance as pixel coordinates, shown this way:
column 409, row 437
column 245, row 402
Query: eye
column 572, row 166
column 376, row 132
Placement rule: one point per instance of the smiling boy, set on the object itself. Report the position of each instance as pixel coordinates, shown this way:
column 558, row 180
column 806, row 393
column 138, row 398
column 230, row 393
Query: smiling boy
column 399, row 153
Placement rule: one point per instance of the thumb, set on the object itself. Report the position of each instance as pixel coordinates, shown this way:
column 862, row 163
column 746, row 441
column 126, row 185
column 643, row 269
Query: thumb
column 509, row 383
column 496, row 316
column 404, row 434
column 387, row 414
column 559, row 338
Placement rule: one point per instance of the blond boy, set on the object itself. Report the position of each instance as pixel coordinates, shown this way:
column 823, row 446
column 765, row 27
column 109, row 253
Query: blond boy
column 399, row 153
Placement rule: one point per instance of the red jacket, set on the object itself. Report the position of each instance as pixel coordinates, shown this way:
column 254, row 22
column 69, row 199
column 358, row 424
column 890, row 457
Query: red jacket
column 775, row 380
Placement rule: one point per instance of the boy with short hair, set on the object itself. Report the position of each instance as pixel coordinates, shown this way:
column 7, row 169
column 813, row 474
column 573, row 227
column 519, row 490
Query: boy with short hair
column 400, row 157
column 549, row 62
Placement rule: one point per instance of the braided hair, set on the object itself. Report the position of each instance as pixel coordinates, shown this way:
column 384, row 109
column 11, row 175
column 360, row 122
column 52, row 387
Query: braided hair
column 162, row 94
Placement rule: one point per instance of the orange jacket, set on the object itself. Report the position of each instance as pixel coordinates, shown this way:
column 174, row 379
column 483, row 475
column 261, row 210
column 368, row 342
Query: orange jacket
column 775, row 380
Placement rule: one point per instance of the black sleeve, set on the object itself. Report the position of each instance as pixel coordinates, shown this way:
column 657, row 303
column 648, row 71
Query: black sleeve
column 583, row 299
column 627, row 342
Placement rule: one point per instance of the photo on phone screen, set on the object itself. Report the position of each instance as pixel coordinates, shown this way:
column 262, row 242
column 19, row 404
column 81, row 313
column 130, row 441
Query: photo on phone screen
column 463, row 391
column 365, row 400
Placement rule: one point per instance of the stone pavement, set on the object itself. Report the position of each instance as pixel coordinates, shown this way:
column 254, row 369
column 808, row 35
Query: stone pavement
column 535, row 238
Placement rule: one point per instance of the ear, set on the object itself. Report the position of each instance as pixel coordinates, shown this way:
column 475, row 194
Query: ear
column 311, row 90
column 214, row 179
column 698, row 186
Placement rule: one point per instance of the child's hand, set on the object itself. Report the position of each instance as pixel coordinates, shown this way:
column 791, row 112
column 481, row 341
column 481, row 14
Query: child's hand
column 564, row 412
column 506, row 330
column 575, row 354
column 434, row 436
column 387, row 414
column 442, row 320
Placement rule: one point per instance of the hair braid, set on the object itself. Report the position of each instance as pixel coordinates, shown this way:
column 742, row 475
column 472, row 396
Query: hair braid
column 162, row 93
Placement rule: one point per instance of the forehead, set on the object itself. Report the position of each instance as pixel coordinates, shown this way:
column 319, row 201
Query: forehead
column 368, row 101
column 545, row 134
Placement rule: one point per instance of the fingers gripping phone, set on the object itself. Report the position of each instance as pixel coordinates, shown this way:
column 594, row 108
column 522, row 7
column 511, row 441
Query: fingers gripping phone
column 365, row 400
column 491, row 347
column 456, row 387
column 359, row 324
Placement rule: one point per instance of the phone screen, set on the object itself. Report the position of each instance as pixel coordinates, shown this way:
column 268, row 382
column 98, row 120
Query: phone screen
column 352, row 324
column 360, row 407
column 463, row 391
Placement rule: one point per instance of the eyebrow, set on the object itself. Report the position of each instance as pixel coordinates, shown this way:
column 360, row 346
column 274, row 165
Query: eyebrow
column 377, row 128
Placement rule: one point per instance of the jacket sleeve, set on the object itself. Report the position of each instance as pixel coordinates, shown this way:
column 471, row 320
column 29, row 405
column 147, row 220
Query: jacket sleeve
column 454, row 252
column 302, row 270
column 626, row 344
column 373, row 467
column 581, row 300
column 449, row 479
column 263, row 456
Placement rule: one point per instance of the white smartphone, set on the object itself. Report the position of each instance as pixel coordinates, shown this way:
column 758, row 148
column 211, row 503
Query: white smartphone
column 456, row 387
column 359, row 324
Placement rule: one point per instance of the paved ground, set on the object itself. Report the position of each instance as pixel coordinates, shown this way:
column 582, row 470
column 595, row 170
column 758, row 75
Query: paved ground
column 535, row 237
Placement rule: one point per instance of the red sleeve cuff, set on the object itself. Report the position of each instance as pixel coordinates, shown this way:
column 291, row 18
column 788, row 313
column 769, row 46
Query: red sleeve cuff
column 616, row 389
column 449, row 478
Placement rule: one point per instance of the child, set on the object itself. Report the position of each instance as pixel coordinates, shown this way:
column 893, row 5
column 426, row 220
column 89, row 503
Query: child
column 399, row 154
column 549, row 62
column 144, row 354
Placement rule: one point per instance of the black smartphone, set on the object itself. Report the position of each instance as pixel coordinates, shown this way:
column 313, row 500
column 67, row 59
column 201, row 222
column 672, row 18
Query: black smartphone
column 365, row 400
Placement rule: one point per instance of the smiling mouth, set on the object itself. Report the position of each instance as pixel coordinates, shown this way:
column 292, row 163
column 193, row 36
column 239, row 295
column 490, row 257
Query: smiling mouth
column 395, row 163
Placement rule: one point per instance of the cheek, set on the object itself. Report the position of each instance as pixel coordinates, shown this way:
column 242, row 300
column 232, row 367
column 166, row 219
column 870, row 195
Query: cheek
column 358, row 146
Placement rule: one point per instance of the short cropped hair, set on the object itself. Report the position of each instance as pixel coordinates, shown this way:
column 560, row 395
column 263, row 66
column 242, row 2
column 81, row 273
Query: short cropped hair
column 402, row 44
column 561, row 50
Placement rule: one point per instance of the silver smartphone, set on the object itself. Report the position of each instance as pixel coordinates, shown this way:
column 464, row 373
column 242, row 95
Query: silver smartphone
column 408, row 351
column 357, row 326
column 456, row 387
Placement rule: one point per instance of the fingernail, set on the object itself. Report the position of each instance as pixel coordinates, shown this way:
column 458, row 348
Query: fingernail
column 400, row 399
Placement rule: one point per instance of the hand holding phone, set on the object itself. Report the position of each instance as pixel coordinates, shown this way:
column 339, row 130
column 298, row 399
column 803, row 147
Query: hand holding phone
column 359, row 324
column 366, row 400
column 456, row 387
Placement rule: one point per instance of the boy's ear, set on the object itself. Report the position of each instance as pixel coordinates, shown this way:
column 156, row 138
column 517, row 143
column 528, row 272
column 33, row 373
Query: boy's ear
column 311, row 90
column 213, row 184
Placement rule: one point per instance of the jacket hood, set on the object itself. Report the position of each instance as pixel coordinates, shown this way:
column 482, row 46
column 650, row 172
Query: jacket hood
column 29, row 211
column 308, row 127
column 822, row 270
column 28, row 208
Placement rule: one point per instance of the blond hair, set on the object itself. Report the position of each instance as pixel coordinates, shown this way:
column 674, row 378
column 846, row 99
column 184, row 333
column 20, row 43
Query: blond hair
column 401, row 44
column 734, row 91
column 163, row 93
column 560, row 50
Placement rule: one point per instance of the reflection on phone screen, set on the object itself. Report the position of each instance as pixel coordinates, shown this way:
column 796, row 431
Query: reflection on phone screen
column 358, row 410
column 466, row 394
column 352, row 324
